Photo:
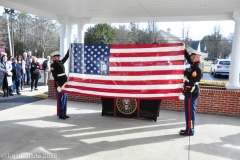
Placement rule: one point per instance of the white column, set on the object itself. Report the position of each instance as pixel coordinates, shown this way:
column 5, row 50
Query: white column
column 69, row 41
column 63, row 39
column 80, row 38
column 69, row 35
column 235, row 59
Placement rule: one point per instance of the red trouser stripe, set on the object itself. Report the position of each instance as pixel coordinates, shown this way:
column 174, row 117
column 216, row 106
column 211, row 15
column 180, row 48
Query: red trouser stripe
column 189, row 116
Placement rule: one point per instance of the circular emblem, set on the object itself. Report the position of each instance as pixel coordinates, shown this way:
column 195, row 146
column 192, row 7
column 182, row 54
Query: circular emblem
column 126, row 106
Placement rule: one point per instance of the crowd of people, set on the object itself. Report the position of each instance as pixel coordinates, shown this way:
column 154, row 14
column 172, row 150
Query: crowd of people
column 18, row 72
column 15, row 73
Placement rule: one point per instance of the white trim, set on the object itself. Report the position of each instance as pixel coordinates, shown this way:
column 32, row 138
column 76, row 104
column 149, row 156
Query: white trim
column 129, row 78
column 147, row 68
column 59, row 75
column 121, row 94
column 126, row 87
column 146, row 59
column 144, row 50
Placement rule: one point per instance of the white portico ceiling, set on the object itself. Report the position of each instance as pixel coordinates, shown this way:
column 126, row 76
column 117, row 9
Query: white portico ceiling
column 123, row 11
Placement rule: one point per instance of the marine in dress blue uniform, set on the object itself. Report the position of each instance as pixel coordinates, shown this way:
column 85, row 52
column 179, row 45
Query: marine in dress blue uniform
column 191, row 91
column 60, row 78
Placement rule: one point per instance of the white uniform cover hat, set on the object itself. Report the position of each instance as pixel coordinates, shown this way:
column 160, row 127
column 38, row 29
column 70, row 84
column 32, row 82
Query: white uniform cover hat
column 193, row 51
column 55, row 53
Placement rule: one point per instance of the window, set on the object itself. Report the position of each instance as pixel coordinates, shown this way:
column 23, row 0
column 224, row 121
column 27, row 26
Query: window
column 224, row 62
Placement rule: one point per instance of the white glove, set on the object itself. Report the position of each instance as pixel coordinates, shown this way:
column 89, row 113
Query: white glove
column 181, row 97
column 59, row 89
column 64, row 84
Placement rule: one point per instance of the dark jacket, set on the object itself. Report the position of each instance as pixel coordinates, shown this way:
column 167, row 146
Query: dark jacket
column 44, row 65
column 28, row 62
column 57, row 68
column 194, row 76
column 17, row 71
column 35, row 66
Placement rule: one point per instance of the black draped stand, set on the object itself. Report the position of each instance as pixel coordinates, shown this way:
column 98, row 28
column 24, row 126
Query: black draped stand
column 150, row 108
column 107, row 106
column 145, row 108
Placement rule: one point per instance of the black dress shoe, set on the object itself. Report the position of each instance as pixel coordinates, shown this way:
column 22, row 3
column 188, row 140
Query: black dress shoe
column 186, row 134
column 182, row 130
column 62, row 117
column 11, row 94
column 19, row 93
column 66, row 116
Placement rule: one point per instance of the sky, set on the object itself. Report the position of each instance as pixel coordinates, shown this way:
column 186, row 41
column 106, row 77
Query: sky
column 197, row 30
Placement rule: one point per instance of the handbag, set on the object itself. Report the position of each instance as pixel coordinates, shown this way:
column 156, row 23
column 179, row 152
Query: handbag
column 9, row 74
column 36, row 71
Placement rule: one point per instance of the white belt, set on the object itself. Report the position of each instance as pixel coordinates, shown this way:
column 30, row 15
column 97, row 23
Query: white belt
column 196, row 83
column 62, row 74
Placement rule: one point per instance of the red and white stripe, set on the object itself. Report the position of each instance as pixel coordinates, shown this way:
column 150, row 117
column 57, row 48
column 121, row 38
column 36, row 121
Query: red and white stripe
column 146, row 71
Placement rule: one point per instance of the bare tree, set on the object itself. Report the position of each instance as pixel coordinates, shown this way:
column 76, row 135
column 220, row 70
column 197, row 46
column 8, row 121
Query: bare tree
column 152, row 29
column 143, row 36
column 185, row 36
column 133, row 34
column 227, row 46
column 45, row 35
column 40, row 35
column 3, row 32
column 23, row 24
column 213, row 43
column 121, row 35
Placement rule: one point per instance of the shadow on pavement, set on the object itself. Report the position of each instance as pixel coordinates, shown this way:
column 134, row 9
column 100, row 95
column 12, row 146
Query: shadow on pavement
column 88, row 135
column 15, row 101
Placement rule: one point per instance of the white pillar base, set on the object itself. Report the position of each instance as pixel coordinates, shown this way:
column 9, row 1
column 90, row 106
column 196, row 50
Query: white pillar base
column 232, row 86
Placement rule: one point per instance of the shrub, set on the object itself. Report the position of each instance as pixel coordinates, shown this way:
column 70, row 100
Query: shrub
column 212, row 83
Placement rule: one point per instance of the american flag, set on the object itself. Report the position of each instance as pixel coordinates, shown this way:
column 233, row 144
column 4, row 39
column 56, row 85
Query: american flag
column 145, row 71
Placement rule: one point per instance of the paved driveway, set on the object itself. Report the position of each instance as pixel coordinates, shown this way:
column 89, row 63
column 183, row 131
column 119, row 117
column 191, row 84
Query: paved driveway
column 34, row 129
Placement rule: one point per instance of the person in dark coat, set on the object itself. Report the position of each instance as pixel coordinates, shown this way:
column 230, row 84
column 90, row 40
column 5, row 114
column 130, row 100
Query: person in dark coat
column 21, row 62
column 5, row 75
column 35, row 73
column 46, row 68
column 25, row 59
column 17, row 72
column 191, row 91
column 60, row 78
column 28, row 66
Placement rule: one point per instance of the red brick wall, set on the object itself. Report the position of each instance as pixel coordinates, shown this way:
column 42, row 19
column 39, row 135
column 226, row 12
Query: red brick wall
column 212, row 101
column 73, row 97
